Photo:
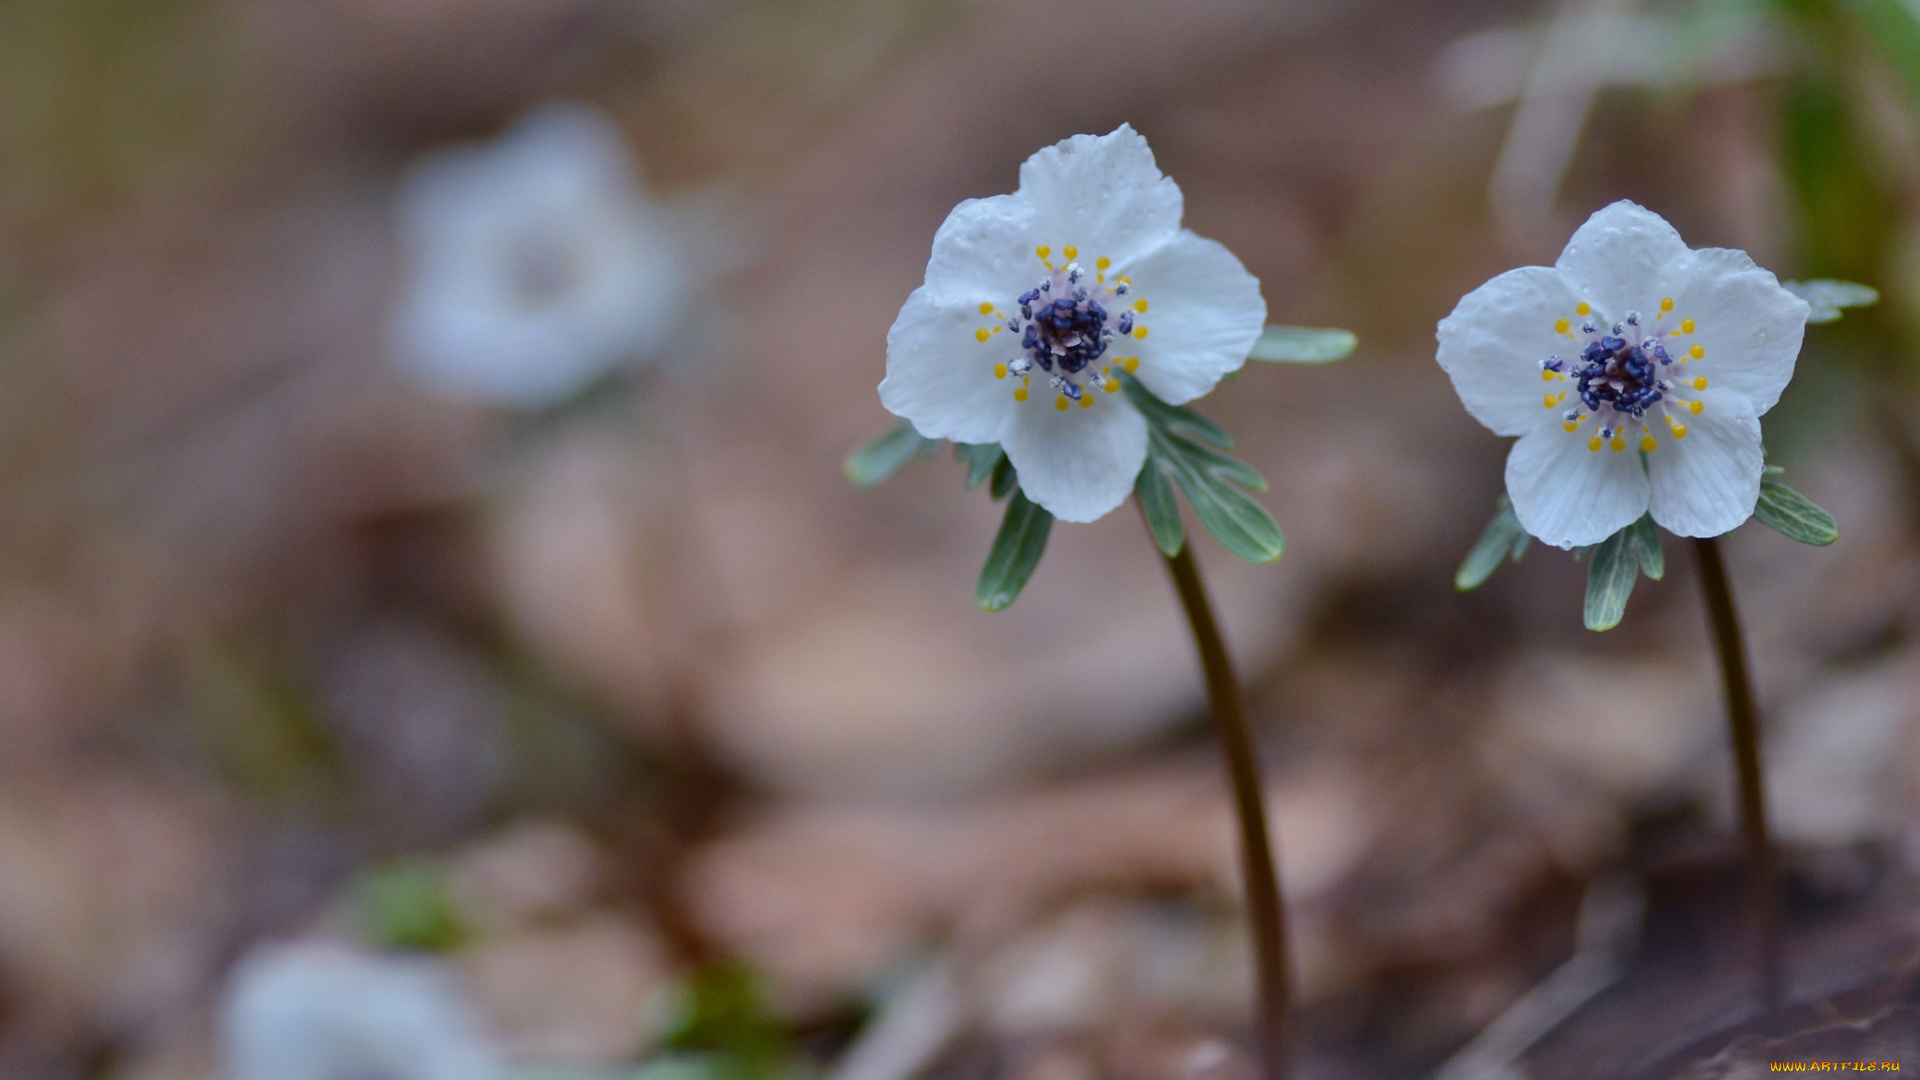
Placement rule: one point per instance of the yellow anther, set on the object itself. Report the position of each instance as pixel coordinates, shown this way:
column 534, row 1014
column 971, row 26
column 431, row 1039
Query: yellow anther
column 986, row 308
column 1666, row 304
column 1700, row 383
column 1130, row 363
column 982, row 334
column 1086, row 401
column 1571, row 425
column 1686, row 326
column 1553, row 399
column 1102, row 263
column 1110, row 385
column 1618, row 443
column 1694, row 407
column 1583, row 308
column 1560, row 327
column 999, row 371
column 1647, row 443
column 1593, row 444
column 1060, row 403
column 1019, row 393
column 1697, row 352
column 1140, row 305
column 1679, row 431
column 1139, row 331
column 1070, row 251
column 1043, row 251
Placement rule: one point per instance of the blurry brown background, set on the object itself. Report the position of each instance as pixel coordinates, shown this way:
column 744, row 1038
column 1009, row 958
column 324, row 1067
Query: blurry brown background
column 270, row 614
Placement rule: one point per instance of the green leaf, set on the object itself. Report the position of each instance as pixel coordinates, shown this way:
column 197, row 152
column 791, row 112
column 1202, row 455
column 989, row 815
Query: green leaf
column 1794, row 516
column 1241, row 525
column 407, row 904
column 1503, row 539
column 1646, row 537
column 1177, row 419
column 885, row 455
column 1155, row 493
column 981, row 459
column 1612, row 570
column 1828, row 296
column 1005, row 477
column 1016, row 551
column 1302, row 345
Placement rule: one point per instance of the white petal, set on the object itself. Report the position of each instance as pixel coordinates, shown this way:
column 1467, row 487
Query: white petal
column 1747, row 325
column 1707, row 483
column 1204, row 315
column 1492, row 345
column 1568, row 495
column 1080, row 463
column 1615, row 260
column 940, row 376
column 1102, row 194
column 984, row 252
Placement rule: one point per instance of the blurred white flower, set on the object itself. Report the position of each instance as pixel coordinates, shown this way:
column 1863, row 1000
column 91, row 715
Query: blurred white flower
column 317, row 1011
column 534, row 263
column 995, row 270
column 1629, row 329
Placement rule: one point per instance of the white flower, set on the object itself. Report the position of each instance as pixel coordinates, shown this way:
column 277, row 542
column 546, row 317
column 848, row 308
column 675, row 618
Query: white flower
column 1034, row 300
column 535, row 263
column 1642, row 343
column 327, row 1012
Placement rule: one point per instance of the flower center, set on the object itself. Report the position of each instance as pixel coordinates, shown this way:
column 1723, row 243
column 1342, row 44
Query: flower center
column 1624, row 378
column 1066, row 327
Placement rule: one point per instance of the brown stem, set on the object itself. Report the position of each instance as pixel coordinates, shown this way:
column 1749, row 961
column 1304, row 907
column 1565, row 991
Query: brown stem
column 1745, row 726
column 1266, row 909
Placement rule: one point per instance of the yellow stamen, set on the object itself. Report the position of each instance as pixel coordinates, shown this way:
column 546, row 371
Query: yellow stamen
column 1679, row 431
column 1140, row 305
column 1086, row 401
column 1696, row 352
column 1060, row 403
column 1070, row 251
column 1560, row 327
column 1110, row 385
column 982, row 334
column 1553, row 399
column 999, row 371
column 986, row 308
column 1694, row 407
column 1647, row 443
column 1618, row 443
column 1571, row 425
column 1102, row 263
column 1686, row 326
column 1019, row 393
column 1593, row 444
column 1666, row 305
column 1583, row 308
column 1043, row 251
column 1700, row 383
column 1139, row 331
column 1130, row 363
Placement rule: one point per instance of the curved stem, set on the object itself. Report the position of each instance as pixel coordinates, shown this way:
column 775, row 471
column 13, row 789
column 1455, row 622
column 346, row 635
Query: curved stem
column 1266, row 908
column 1743, row 720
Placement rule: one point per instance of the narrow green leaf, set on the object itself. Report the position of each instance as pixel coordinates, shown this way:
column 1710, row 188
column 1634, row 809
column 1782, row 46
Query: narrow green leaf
column 1155, row 493
column 1004, row 478
column 1502, row 539
column 1227, row 468
column 1794, row 516
column 1612, row 570
column 1302, row 345
column 1241, row 525
column 1174, row 418
column 981, row 459
column 1646, row 539
column 885, row 455
column 1016, row 551
column 1827, row 296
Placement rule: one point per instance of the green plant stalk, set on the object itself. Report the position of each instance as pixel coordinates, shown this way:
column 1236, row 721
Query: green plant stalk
column 1266, row 908
column 1743, row 721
